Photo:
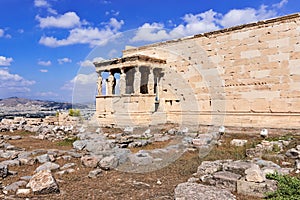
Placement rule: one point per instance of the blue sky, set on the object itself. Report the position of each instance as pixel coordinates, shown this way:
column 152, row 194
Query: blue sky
column 47, row 46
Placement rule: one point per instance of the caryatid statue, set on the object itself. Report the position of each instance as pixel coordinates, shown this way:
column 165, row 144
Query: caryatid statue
column 99, row 84
column 110, row 83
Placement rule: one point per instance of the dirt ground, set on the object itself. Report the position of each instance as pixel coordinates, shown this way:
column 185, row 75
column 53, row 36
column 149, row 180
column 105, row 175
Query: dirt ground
column 158, row 185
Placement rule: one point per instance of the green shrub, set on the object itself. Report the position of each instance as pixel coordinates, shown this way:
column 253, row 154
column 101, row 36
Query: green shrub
column 67, row 142
column 74, row 113
column 288, row 187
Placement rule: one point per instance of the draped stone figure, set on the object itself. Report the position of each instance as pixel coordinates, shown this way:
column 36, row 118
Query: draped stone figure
column 122, row 82
column 110, row 83
column 99, row 85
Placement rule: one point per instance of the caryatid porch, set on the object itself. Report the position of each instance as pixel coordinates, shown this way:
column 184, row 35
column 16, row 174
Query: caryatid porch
column 128, row 89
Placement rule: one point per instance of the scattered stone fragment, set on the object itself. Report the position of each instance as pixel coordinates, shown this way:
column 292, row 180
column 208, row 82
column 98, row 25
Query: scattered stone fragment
column 254, row 152
column 10, row 162
column 254, row 174
column 226, row 180
column 47, row 166
column 23, row 191
column 26, row 178
column 255, row 189
column 109, row 162
column 293, row 153
column 79, row 144
column 68, row 165
column 185, row 191
column 13, row 187
column 3, row 171
column 95, row 173
column 141, row 158
column 209, row 167
column 90, row 161
column 43, row 183
column 237, row 167
column 128, row 130
column 43, row 158
column 238, row 142
column 203, row 139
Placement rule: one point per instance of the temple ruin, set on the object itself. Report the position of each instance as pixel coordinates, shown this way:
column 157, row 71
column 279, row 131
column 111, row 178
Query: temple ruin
column 244, row 76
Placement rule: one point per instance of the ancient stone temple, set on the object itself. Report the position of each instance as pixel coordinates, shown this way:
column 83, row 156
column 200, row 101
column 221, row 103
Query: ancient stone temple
column 244, row 76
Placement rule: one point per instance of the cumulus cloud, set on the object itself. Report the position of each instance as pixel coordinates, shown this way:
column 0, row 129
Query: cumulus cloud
column 90, row 35
column 205, row 22
column 44, row 63
column 13, row 83
column 67, row 20
column 81, row 80
column 4, row 61
column 89, row 63
column 44, row 70
column 64, row 60
column 44, row 4
column 192, row 24
column 247, row 15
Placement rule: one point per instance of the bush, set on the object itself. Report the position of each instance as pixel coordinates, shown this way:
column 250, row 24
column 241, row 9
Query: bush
column 74, row 113
column 67, row 141
column 288, row 187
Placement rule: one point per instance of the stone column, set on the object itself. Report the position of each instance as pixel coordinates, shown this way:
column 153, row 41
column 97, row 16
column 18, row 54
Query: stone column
column 99, row 83
column 137, row 81
column 151, row 82
column 110, row 83
column 122, row 82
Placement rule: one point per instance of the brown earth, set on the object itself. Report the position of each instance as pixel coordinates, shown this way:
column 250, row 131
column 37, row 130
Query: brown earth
column 121, row 185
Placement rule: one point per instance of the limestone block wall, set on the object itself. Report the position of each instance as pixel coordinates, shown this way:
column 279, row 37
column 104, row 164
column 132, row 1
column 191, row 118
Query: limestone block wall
column 242, row 76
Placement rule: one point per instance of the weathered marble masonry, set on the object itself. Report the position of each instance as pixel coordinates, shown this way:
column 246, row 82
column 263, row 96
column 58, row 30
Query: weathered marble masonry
column 244, row 76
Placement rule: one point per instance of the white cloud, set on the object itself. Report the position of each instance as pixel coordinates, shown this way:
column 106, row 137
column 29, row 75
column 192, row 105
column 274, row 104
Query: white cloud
column 81, row 81
column 44, row 4
column 192, row 24
column 89, row 63
column 205, row 22
column 90, row 35
column 64, row 60
column 47, row 94
column 4, row 61
column 112, row 12
column 280, row 4
column 67, row 20
column 52, row 11
column 2, row 34
column 41, row 3
column 44, row 63
column 11, row 84
column 247, row 15
column 151, row 32
column 44, row 70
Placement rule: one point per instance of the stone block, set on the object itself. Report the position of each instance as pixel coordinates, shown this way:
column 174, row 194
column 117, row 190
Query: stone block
column 250, row 54
column 226, row 180
column 255, row 189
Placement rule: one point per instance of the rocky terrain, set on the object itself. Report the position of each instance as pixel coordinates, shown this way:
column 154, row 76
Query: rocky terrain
column 84, row 161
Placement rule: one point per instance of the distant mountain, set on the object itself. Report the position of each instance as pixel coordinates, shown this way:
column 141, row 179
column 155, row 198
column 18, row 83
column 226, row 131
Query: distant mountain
column 49, row 105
